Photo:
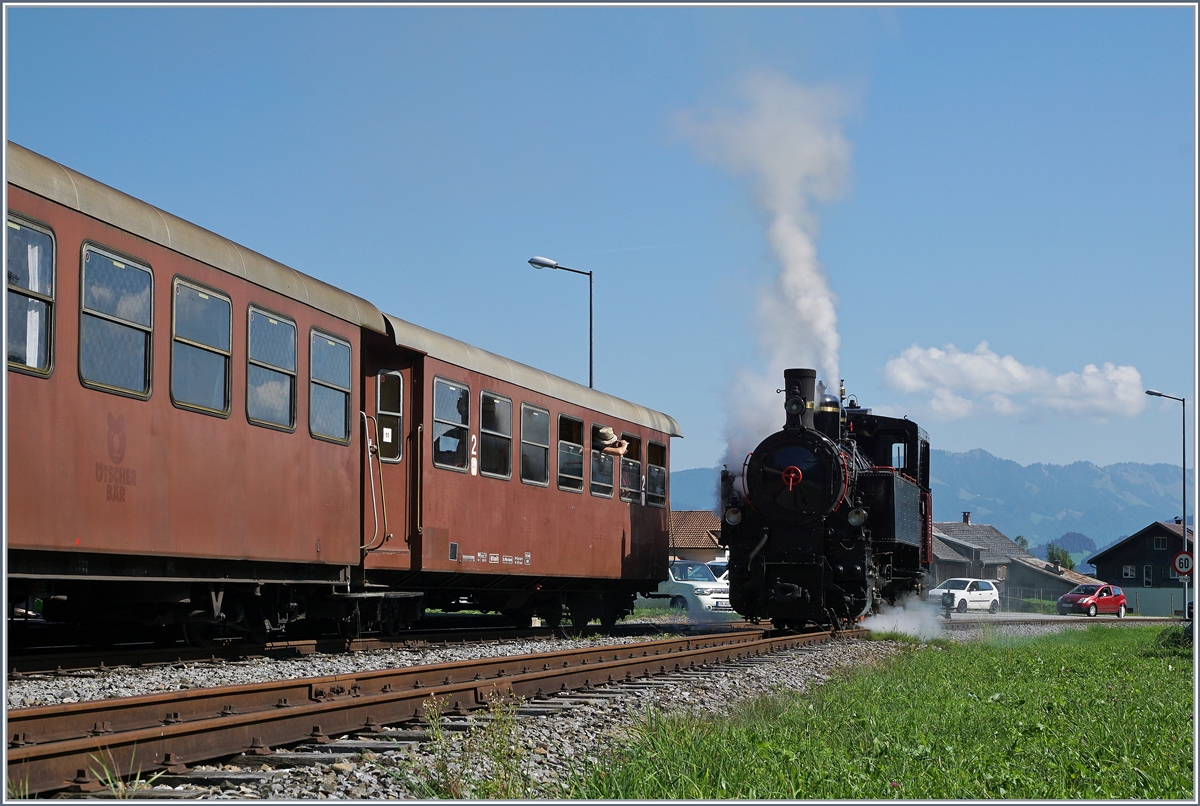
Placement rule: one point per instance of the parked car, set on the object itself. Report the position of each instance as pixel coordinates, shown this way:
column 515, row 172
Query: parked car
column 1093, row 599
column 720, row 569
column 969, row 594
column 690, row 586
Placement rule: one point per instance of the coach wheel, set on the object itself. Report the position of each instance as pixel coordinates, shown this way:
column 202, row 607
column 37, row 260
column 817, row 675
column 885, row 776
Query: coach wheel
column 1092, row 610
column 679, row 603
column 962, row 606
column 520, row 618
column 1121, row 611
column 350, row 625
column 995, row 606
column 609, row 616
column 580, row 616
column 198, row 635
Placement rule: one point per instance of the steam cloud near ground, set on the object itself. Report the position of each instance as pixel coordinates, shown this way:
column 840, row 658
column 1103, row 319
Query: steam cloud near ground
column 787, row 139
column 982, row 381
column 910, row 616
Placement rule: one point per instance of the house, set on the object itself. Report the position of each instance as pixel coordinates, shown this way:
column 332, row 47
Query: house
column 979, row 550
column 1142, row 565
column 694, row 534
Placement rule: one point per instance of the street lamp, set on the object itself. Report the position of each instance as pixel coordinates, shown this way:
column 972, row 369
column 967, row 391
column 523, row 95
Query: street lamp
column 547, row 263
column 1183, row 521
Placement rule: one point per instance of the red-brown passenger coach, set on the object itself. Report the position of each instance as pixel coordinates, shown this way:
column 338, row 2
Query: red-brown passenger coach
column 201, row 436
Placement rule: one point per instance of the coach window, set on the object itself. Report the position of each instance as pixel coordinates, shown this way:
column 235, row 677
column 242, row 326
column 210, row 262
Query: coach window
column 271, row 371
column 30, row 296
column 602, row 466
column 631, row 469
column 535, row 445
column 451, row 421
column 116, row 324
column 389, row 414
column 656, row 475
column 570, row 453
column 329, row 389
column 495, row 436
column 200, row 349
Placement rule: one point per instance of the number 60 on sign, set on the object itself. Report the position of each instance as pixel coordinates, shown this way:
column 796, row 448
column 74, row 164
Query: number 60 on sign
column 1183, row 563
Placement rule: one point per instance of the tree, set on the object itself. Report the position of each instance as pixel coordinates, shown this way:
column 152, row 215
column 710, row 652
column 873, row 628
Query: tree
column 1055, row 554
column 1022, row 542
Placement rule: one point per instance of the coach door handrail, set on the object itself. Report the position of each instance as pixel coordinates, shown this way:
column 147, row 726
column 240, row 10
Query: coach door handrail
column 416, row 468
column 372, row 460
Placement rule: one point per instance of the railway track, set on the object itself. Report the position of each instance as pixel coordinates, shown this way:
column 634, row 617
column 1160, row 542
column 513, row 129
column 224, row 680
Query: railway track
column 66, row 660
column 55, row 747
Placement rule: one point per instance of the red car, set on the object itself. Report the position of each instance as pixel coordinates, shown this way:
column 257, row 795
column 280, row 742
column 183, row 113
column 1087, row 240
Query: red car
column 1093, row 599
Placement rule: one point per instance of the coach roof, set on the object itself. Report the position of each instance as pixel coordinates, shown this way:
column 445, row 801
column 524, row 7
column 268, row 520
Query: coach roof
column 472, row 358
column 37, row 174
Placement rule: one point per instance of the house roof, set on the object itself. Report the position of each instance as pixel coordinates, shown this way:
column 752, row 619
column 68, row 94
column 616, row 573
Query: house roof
column 1170, row 529
column 1043, row 567
column 943, row 552
column 694, row 529
column 995, row 546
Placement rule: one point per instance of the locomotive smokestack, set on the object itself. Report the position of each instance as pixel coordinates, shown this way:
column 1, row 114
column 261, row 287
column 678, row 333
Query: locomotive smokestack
column 800, row 385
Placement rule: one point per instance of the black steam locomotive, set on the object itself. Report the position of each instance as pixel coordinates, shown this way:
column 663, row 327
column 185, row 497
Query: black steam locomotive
column 830, row 516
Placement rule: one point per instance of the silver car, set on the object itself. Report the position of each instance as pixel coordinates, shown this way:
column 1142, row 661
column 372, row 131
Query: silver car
column 690, row 586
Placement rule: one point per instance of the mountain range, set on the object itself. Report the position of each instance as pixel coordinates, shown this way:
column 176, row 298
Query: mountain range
column 1043, row 503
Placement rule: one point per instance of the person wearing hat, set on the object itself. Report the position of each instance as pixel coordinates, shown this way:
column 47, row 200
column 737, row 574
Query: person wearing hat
column 610, row 444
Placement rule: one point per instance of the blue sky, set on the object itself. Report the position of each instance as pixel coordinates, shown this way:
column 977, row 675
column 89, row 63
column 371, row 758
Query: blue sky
column 1022, row 177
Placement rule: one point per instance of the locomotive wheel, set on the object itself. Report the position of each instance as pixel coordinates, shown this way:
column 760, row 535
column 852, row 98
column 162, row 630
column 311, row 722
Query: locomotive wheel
column 679, row 603
column 1092, row 610
column 962, row 606
column 994, row 607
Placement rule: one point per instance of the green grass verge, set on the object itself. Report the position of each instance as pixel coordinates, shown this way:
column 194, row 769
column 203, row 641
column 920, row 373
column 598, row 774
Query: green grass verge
column 1101, row 713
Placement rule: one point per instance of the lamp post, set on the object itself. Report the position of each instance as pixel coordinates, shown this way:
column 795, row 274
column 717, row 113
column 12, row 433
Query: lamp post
column 1183, row 520
column 547, row 263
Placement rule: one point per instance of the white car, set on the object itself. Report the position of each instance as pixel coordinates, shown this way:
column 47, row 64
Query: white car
column 969, row 594
column 690, row 586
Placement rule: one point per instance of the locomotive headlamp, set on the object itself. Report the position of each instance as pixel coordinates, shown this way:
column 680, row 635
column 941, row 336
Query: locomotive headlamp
column 857, row 516
column 733, row 516
column 794, row 405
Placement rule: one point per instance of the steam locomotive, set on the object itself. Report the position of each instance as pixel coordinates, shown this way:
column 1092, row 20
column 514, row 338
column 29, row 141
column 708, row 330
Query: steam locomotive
column 829, row 517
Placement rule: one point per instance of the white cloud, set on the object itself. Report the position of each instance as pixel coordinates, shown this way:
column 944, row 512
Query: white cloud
column 958, row 381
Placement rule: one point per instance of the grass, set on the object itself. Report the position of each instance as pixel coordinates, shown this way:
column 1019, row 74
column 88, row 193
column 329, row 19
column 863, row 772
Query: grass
column 1101, row 713
column 483, row 764
column 120, row 786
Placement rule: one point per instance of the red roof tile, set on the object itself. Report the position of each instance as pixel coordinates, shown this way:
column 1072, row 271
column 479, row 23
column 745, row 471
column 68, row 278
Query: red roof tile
column 694, row 529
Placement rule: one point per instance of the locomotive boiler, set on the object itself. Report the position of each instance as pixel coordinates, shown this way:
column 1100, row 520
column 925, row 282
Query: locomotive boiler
column 830, row 516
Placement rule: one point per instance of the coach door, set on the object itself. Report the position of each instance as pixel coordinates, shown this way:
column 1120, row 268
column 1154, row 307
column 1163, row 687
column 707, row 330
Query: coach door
column 387, row 515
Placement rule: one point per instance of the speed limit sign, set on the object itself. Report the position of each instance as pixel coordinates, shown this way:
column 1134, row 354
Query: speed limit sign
column 1183, row 563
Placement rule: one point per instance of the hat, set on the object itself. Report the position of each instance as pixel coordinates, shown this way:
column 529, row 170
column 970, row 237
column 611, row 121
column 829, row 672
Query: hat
column 607, row 437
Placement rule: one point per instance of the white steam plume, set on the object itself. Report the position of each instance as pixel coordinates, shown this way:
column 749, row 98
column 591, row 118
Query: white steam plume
column 787, row 138
column 910, row 616
column 982, row 381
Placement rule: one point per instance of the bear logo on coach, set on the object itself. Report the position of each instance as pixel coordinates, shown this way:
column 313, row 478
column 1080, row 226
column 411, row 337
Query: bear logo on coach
column 116, row 438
